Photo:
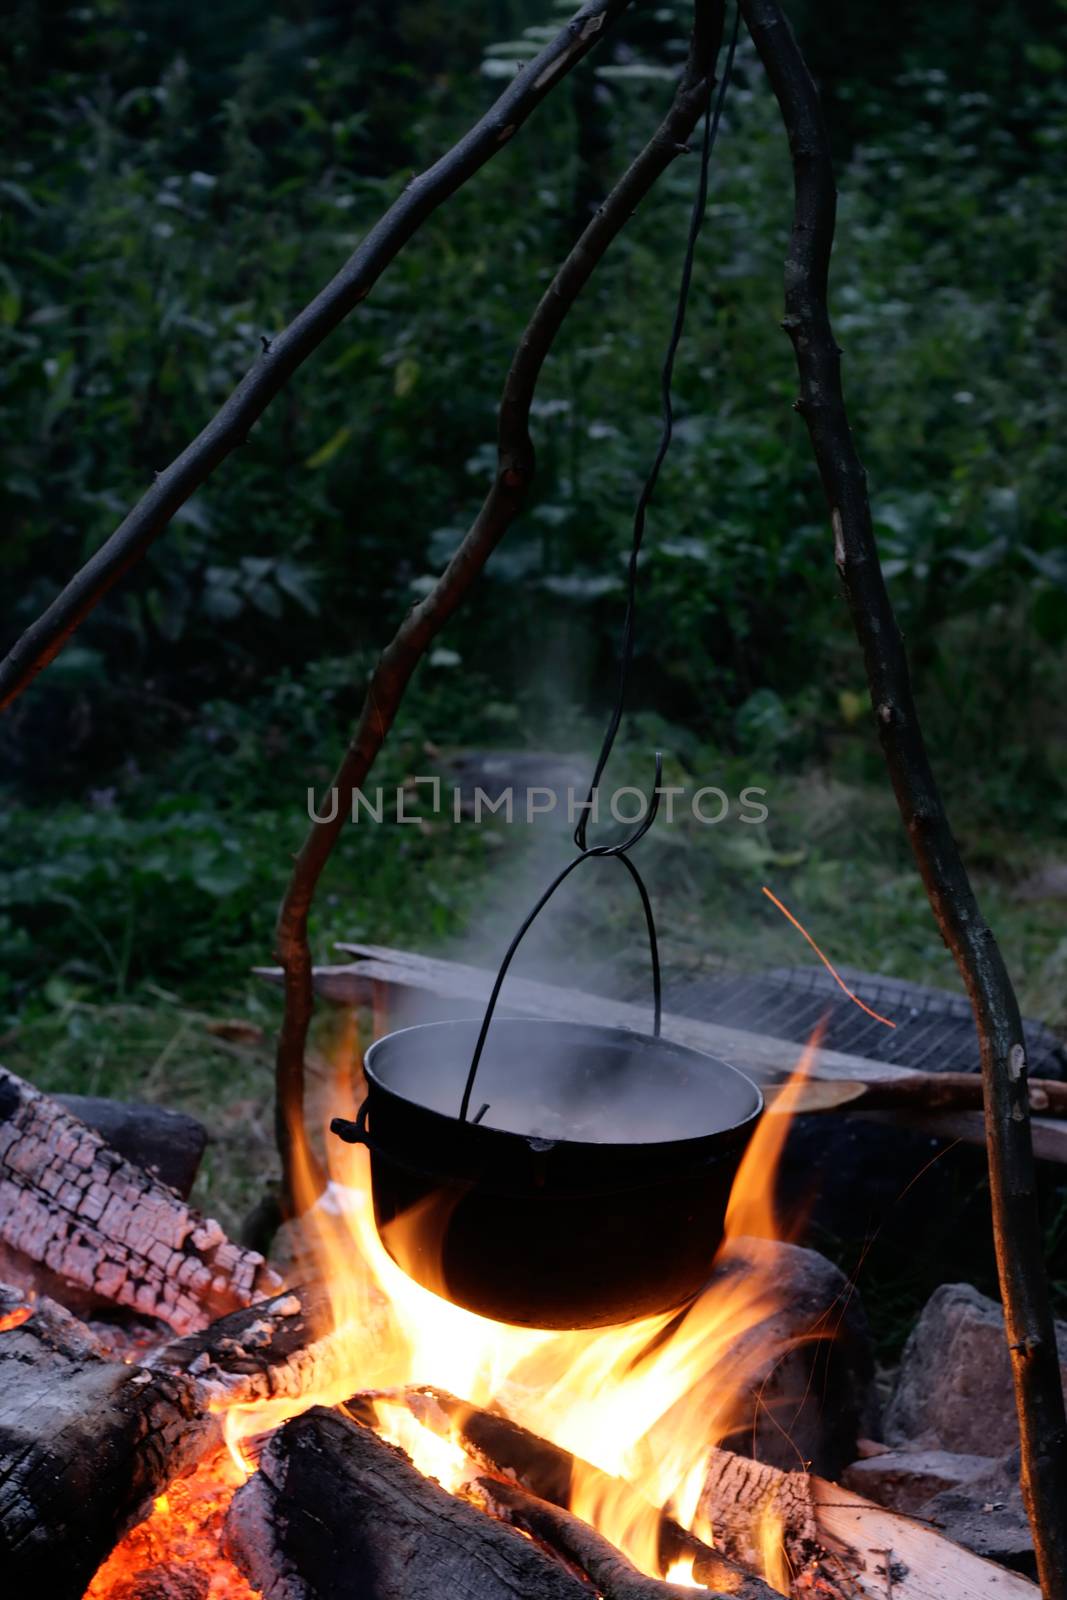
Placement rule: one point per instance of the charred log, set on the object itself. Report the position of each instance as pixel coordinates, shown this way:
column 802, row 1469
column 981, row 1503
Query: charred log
column 107, row 1230
column 168, row 1144
column 611, row 1574
column 335, row 1513
column 87, row 1443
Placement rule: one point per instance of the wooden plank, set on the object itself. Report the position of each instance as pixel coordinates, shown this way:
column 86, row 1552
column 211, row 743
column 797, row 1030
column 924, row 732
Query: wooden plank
column 893, row 1557
column 766, row 1059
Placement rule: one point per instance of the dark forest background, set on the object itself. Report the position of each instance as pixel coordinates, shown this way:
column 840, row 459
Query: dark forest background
column 178, row 179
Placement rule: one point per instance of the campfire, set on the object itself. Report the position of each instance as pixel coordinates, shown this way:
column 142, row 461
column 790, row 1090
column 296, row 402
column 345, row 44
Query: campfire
column 350, row 1431
column 403, row 1410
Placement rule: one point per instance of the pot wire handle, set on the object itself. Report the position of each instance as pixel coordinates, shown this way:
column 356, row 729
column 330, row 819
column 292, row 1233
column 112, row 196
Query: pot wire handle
column 620, row 852
column 353, row 1132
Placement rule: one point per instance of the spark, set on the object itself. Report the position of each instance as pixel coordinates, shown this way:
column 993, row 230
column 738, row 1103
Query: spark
column 831, row 969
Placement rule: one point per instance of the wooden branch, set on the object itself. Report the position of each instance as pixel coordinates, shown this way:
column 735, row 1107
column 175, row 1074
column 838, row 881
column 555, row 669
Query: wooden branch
column 88, row 1218
column 335, row 1513
column 515, row 465
column 1016, row 1224
column 509, row 1451
column 291, row 348
column 611, row 1574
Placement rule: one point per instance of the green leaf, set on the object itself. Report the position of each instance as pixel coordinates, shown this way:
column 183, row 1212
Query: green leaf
column 10, row 297
column 405, row 377
column 326, row 452
column 296, row 581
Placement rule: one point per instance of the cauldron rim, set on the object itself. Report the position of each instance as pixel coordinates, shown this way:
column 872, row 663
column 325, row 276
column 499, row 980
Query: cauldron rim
column 739, row 1130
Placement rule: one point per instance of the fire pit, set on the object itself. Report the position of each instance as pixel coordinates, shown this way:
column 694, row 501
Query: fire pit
column 591, row 1190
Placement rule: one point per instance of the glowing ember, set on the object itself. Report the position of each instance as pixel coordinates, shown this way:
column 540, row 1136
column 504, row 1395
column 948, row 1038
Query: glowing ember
column 182, row 1533
column 15, row 1319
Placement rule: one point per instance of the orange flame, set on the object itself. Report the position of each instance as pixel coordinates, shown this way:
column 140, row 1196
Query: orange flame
column 641, row 1405
column 15, row 1318
column 644, row 1402
column 771, row 1541
column 680, row 1573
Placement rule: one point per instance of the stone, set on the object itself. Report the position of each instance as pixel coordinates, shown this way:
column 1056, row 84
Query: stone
column 168, row 1144
column 987, row 1516
column 904, row 1480
column 805, row 1371
column 954, row 1389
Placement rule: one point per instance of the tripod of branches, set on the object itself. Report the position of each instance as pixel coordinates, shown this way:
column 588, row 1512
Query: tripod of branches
column 1024, row 1289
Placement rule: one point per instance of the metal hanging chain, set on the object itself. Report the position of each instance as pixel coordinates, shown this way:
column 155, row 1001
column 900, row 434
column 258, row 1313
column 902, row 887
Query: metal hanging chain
column 712, row 118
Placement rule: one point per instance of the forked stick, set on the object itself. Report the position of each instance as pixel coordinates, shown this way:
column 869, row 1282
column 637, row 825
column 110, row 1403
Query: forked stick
column 282, row 356
column 1016, row 1225
column 515, row 465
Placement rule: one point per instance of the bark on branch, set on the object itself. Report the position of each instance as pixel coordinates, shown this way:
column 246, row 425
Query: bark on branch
column 515, row 465
column 282, row 356
column 1016, row 1225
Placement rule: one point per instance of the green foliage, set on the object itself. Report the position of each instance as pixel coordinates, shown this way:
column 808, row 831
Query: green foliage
column 176, row 192
column 178, row 184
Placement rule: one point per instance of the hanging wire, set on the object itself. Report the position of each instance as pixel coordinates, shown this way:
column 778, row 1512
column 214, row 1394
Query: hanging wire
column 712, row 118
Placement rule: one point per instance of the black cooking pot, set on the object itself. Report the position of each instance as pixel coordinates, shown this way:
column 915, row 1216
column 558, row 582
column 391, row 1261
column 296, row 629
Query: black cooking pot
column 591, row 1189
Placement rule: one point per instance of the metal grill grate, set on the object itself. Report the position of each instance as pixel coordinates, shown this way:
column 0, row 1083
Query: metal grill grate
column 934, row 1030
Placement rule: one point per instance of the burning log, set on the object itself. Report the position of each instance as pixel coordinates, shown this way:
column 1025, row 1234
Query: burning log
column 548, row 1473
column 93, row 1222
column 832, row 1543
column 87, row 1443
column 335, row 1513
column 608, row 1570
